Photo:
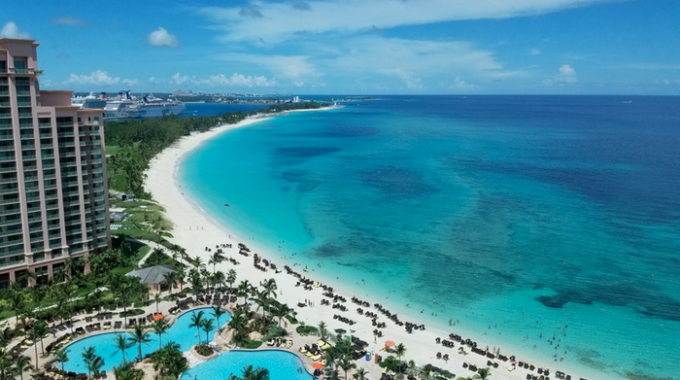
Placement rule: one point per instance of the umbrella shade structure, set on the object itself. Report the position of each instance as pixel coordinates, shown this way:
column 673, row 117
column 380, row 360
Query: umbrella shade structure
column 389, row 343
column 317, row 365
column 340, row 331
column 157, row 317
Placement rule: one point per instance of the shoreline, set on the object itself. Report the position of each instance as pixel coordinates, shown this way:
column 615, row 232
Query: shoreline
column 194, row 229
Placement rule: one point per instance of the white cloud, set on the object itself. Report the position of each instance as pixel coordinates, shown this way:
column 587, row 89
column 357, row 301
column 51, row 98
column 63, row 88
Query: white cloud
column 534, row 51
column 161, row 37
column 459, row 84
column 277, row 21
column 70, row 21
column 11, row 30
column 567, row 76
column 293, row 67
column 408, row 77
column 240, row 80
column 99, row 78
column 221, row 80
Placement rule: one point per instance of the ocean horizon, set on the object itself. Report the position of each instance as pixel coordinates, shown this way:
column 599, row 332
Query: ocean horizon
column 545, row 225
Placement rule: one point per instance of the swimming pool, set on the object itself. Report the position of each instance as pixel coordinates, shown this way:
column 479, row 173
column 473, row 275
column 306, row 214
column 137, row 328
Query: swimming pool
column 281, row 365
column 104, row 344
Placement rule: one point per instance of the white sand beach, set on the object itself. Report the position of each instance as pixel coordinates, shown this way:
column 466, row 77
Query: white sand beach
column 195, row 230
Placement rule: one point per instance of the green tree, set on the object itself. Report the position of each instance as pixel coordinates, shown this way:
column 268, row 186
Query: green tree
column 217, row 312
column 127, row 371
column 323, row 330
column 207, row 326
column 346, row 364
column 120, row 345
column 197, row 322
column 139, row 337
column 216, row 258
column 6, row 363
column 22, row 364
column 160, row 326
column 483, row 373
column 400, row 350
column 93, row 362
column 169, row 361
column 61, row 357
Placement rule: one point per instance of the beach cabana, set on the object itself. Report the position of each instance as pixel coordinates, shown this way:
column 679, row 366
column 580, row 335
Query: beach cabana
column 152, row 276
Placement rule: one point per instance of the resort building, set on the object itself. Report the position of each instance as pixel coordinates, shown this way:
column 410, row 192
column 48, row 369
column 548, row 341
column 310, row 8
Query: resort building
column 53, row 190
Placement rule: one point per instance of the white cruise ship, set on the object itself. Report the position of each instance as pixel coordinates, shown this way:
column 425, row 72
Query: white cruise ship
column 124, row 107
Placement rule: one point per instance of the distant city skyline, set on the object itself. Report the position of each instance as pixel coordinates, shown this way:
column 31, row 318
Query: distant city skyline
column 355, row 47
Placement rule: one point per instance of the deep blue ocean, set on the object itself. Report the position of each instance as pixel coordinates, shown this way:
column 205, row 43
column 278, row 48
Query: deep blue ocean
column 545, row 224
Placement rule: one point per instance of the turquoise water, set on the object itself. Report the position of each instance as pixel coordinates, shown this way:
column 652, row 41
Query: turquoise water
column 104, row 344
column 517, row 216
column 281, row 366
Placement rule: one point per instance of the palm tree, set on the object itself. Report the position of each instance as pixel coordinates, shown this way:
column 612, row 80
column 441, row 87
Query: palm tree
column 88, row 357
column 346, row 364
column 6, row 336
column 6, row 361
column 170, row 278
column 243, row 289
column 216, row 258
column 160, row 326
column 323, row 330
column 157, row 298
column 361, row 373
column 139, row 337
column 238, row 323
column 269, row 292
column 127, row 371
column 282, row 311
column 231, row 278
column 36, row 333
column 181, row 275
column 22, row 364
column 218, row 279
column 255, row 374
column 121, row 345
column 217, row 312
column 400, row 350
column 483, row 373
column 197, row 262
column 207, row 326
column 61, row 357
column 197, row 321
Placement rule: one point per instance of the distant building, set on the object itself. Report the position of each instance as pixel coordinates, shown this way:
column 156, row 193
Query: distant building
column 53, row 191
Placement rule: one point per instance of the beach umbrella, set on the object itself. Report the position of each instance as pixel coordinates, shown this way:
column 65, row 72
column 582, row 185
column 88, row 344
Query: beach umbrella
column 317, row 365
column 157, row 317
column 389, row 343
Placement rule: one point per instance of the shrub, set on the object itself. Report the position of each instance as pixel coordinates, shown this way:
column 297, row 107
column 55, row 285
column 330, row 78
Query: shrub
column 204, row 350
column 307, row 330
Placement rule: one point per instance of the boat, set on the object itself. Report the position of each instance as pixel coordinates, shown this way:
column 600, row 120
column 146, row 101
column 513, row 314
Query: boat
column 121, row 108
column 90, row 101
column 126, row 107
column 156, row 107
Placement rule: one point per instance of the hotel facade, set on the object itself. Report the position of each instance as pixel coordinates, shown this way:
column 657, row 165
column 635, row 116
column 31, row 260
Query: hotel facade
column 53, row 188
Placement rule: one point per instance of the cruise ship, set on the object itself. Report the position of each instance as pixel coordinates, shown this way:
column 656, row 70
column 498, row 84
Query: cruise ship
column 124, row 107
column 89, row 102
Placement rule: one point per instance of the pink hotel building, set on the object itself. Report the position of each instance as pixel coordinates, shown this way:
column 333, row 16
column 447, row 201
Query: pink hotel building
column 53, row 189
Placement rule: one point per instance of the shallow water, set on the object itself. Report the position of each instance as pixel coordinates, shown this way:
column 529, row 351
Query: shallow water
column 496, row 211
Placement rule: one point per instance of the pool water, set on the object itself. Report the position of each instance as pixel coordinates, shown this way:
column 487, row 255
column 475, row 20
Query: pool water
column 281, row 365
column 104, row 344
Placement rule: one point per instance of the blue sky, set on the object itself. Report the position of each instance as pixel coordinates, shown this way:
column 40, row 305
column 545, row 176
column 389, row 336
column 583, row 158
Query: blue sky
column 355, row 46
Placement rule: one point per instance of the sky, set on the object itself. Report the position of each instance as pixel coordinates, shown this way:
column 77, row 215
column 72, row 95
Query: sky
column 625, row 47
